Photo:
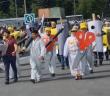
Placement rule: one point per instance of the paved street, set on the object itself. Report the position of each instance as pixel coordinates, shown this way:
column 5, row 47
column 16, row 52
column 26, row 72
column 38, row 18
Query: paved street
column 97, row 84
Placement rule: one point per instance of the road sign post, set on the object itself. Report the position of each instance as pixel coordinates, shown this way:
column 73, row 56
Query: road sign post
column 29, row 18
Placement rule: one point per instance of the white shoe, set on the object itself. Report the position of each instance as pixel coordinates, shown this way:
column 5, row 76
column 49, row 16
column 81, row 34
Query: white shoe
column 38, row 80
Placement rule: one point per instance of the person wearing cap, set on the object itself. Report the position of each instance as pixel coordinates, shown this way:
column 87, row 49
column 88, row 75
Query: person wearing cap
column 53, row 29
column 10, row 29
column 71, row 49
column 87, row 59
column 37, row 53
column 50, row 52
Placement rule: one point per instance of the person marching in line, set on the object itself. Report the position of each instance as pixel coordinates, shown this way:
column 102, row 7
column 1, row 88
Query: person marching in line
column 61, row 41
column 54, row 31
column 106, row 45
column 89, row 61
column 59, row 44
column 15, row 34
column 50, row 51
column 37, row 53
column 3, row 48
column 71, row 49
column 10, row 57
column 95, row 26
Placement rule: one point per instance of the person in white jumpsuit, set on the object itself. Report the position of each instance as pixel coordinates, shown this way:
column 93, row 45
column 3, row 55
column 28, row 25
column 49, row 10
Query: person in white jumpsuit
column 71, row 49
column 37, row 53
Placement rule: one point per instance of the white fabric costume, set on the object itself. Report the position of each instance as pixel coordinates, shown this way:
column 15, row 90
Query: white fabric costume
column 37, row 50
column 71, row 49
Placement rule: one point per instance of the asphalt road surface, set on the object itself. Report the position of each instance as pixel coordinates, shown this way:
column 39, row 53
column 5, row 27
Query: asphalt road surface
column 96, row 84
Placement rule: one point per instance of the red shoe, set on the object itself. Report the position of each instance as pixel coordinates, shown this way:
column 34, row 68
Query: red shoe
column 78, row 77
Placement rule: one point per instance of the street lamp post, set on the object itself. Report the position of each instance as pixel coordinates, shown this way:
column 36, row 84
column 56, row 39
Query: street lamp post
column 25, row 8
column 74, row 8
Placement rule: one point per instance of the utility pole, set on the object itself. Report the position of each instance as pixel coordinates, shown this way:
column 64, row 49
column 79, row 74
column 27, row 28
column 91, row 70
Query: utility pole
column 16, row 9
column 74, row 7
column 25, row 8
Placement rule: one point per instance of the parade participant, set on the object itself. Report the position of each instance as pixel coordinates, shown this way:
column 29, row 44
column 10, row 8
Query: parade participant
column 1, row 42
column 10, row 29
column 71, row 49
column 53, row 29
column 16, row 34
column 3, row 48
column 95, row 26
column 106, row 30
column 50, row 52
column 85, row 48
column 17, row 64
column 10, row 57
column 37, row 53
column 22, row 35
column 61, row 41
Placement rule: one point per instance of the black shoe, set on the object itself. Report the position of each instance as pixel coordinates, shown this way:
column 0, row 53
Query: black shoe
column 1, row 70
column 33, row 81
column 15, row 80
column 91, row 71
column 63, row 67
column 68, row 67
column 7, row 83
column 53, row 75
column 96, row 65
column 100, row 63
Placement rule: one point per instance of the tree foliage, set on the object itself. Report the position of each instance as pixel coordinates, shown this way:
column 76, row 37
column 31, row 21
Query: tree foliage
column 85, row 7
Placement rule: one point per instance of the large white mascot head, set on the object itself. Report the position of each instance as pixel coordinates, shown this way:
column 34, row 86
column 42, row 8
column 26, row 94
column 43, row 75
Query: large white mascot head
column 95, row 25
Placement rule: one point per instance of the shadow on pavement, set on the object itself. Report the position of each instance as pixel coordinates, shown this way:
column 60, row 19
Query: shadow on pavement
column 102, row 71
column 97, row 77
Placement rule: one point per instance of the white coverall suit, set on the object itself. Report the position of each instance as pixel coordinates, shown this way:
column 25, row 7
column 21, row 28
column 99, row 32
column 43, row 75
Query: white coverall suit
column 37, row 50
column 71, row 50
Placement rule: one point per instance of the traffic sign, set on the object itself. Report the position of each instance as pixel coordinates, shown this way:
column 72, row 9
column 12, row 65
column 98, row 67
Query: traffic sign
column 29, row 18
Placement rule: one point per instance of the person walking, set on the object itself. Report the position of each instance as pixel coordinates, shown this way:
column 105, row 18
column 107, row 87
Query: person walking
column 71, row 49
column 37, row 53
column 10, row 57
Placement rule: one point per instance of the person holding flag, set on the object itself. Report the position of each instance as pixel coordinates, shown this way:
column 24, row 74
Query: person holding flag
column 86, row 39
column 50, row 50
column 82, row 63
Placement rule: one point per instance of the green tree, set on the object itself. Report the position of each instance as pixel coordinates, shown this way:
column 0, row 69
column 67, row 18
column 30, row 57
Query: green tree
column 87, row 7
column 12, row 9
